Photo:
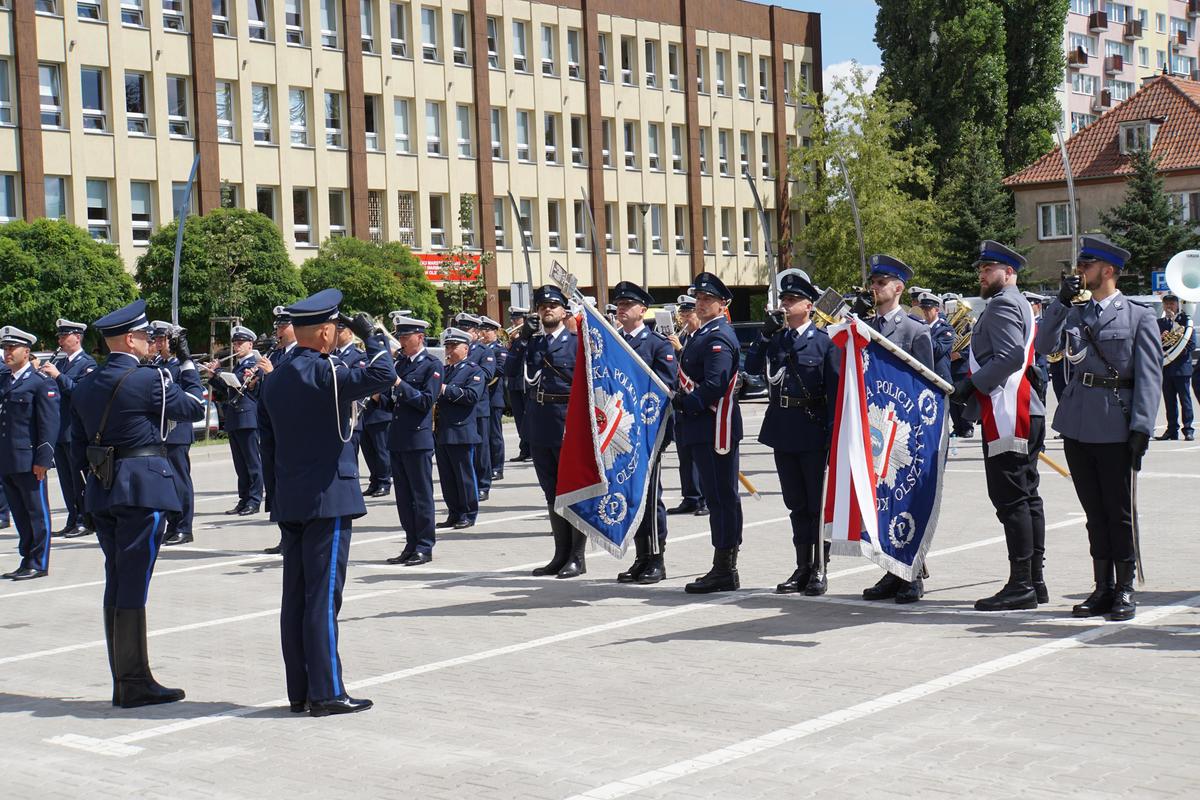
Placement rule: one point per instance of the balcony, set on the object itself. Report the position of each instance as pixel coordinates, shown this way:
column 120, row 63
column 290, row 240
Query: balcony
column 1179, row 40
column 1114, row 64
column 1102, row 100
column 1193, row 8
column 1133, row 29
column 1077, row 58
column 1097, row 22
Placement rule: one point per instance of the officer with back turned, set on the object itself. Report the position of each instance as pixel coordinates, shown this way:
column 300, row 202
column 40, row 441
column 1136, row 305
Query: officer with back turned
column 456, row 430
column 1107, row 412
column 179, row 439
column 489, row 334
column 120, row 414
column 69, row 364
column 306, row 433
column 485, row 359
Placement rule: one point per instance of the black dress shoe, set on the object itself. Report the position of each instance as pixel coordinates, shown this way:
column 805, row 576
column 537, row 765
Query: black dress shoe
column 519, row 459
column 178, row 538
column 236, row 509
column 11, row 574
column 5, row 522
column 702, row 511
column 405, row 554
column 28, row 574
column 77, row 531
column 338, row 705
column 1189, row 437
column 449, row 523
column 463, row 523
column 483, row 495
column 796, row 583
column 247, row 510
column 497, row 475
column 686, row 507
column 884, row 589
column 1167, row 436
column 382, row 491
column 910, row 591
column 273, row 551
column 298, row 708
column 370, row 490
column 61, row 532
column 417, row 559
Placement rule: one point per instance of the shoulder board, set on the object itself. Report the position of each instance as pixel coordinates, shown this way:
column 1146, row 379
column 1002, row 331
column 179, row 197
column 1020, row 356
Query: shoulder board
column 659, row 336
column 1138, row 303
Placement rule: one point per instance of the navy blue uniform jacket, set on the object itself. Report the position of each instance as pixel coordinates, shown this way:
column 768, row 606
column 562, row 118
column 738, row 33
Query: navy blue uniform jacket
column 810, row 364
column 29, row 421
column 69, row 373
column 462, row 387
column 410, row 402
column 710, row 359
column 549, row 367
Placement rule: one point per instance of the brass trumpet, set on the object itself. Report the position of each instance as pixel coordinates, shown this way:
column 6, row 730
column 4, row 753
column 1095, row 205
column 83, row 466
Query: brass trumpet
column 962, row 321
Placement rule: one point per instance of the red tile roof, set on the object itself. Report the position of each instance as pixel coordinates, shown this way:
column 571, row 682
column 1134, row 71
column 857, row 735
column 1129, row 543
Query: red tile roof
column 1095, row 152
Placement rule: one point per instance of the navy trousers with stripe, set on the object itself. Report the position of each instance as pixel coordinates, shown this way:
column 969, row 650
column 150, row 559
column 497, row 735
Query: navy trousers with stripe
column 482, row 457
column 456, row 473
column 719, row 484
column 247, row 463
column 30, row 509
column 130, row 537
column 413, row 473
column 314, row 572
column 181, row 464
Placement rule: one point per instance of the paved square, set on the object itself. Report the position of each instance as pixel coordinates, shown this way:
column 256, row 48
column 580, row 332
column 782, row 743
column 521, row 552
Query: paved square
column 491, row 683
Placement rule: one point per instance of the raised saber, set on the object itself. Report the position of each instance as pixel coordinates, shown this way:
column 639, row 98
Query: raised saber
column 772, row 269
column 1137, row 533
column 591, row 218
column 1071, row 221
column 524, row 245
column 862, row 247
column 183, row 211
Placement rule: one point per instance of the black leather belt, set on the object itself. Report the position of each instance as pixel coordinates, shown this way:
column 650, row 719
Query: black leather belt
column 785, row 401
column 140, row 452
column 543, row 398
column 1094, row 381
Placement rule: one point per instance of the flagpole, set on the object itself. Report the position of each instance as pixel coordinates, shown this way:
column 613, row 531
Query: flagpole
column 904, row 356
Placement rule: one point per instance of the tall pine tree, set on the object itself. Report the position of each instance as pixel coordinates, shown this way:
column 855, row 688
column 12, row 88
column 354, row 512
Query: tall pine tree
column 1033, row 51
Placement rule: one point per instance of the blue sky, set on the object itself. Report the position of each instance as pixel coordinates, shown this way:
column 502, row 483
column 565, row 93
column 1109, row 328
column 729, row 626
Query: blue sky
column 847, row 28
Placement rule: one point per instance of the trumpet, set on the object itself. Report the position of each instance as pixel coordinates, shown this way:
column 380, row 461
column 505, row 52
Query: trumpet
column 962, row 321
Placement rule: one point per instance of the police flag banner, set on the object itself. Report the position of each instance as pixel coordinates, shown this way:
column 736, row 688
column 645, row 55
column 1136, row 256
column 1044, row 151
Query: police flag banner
column 888, row 452
column 614, row 428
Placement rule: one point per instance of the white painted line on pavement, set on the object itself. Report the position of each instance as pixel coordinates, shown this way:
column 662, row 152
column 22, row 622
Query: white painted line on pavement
column 867, row 708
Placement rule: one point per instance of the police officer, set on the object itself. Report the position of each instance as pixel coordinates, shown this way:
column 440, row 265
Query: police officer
column 1107, row 412
column 800, row 363
column 709, row 426
column 410, row 438
column 514, row 382
column 489, row 334
column 941, row 332
column 456, row 429
column 485, row 359
column 962, row 428
column 29, row 420
column 548, row 369
column 1177, row 375
column 241, row 419
column 119, row 415
column 631, row 302
column 69, row 364
column 179, row 439
column 285, row 346
column 888, row 277
column 353, row 357
column 689, row 480
column 1040, row 363
column 374, row 421
column 1001, row 393
column 306, row 432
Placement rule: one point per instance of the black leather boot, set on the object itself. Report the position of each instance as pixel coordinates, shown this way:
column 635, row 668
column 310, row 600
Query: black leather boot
column 135, row 685
column 1017, row 594
column 110, row 614
column 1123, row 607
column 910, row 591
column 1100, row 601
column 818, row 582
column 1037, row 577
column 723, row 577
column 656, row 568
column 561, row 530
column 884, row 589
column 576, row 564
column 641, row 549
column 799, row 579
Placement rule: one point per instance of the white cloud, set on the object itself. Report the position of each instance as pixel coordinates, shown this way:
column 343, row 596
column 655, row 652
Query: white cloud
column 842, row 69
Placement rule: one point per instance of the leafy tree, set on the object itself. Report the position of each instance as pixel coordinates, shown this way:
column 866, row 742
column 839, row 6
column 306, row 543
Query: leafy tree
column 1147, row 222
column 865, row 131
column 51, row 269
column 233, row 263
column 1033, row 52
column 375, row 277
column 463, row 285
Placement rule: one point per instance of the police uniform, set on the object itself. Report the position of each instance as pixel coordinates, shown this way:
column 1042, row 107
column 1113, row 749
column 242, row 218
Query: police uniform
column 29, row 421
column 71, row 367
column 962, row 428
column 656, row 353
column 126, row 405
column 1040, row 362
column 481, row 356
column 354, row 357
column 496, row 401
column 306, row 432
column 457, row 434
column 689, row 479
column 1176, row 380
column 241, row 425
column 374, row 421
column 514, row 382
column 548, row 368
column 801, row 367
column 1000, row 392
column 708, row 424
column 1106, row 416
column 941, row 334
column 278, row 356
column 410, row 441
column 179, row 446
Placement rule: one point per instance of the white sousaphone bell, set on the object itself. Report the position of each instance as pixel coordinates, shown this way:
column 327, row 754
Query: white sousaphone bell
column 1183, row 279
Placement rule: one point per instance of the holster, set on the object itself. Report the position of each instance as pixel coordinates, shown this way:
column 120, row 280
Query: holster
column 102, row 463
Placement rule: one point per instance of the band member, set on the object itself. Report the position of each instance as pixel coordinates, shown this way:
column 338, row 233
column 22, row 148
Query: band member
column 689, row 480
column 456, row 430
column 410, row 438
column 489, row 333
column 1000, row 392
column 179, row 440
column 963, row 429
column 941, row 333
column 631, row 302
column 548, row 368
column 373, row 422
column 514, row 381
column 1042, row 364
column 1177, row 375
column 485, row 359
column 709, row 426
column 1107, row 412
column 888, row 277
column 800, row 363
column 119, row 414
column 240, row 405
column 29, row 420
column 306, row 433
column 285, row 346
column 69, row 364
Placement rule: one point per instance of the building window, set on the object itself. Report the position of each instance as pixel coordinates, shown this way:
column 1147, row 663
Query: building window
column 132, row 13
column 429, row 34
column 743, row 66
column 1143, row 56
column 577, row 141
column 581, row 236
column 744, row 152
column 459, row 24
column 1080, row 121
column 337, row 213
column 764, row 79
column 523, row 135
column 1160, row 23
column 520, row 62
column 370, row 121
column 1120, row 91
column 610, row 227
column 1137, row 136
column 497, row 125
column 225, row 104
column 229, row 195
column 8, row 198
column 554, row 223
column 366, row 25
column 493, row 44
column 402, row 116
column 261, row 100
column 468, row 231
column 97, row 210
column 141, row 203
column 293, row 21
column 220, row 17
column 437, row 222
column 6, row 107
column 603, row 57
column 264, row 201
column 56, row 196
column 407, row 218
column 375, row 216
column 673, row 67
column 573, row 69
column 91, row 84
column 1052, row 221
column 1083, row 84
column 179, row 194
column 727, row 231
column 498, row 223
column 551, row 138
column 748, row 232
column 656, row 229
column 633, row 228
column 706, row 226
column 137, row 117
column 722, row 68
column 549, row 50
column 702, row 70
column 677, row 148
column 84, row 9
column 723, row 152
column 653, row 154
column 606, row 134
column 651, row 64
column 301, row 217
column 50, row 89
column 463, row 115
column 399, row 16
column 298, row 115
column 525, row 220
column 178, row 124
column 628, row 58
column 631, row 137
column 433, row 128
column 789, row 81
column 704, row 140
column 765, row 154
column 333, row 120
column 681, row 222
column 329, row 24
column 257, row 15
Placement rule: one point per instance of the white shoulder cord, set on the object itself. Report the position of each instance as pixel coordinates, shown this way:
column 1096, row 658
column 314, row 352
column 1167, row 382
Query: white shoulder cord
column 162, row 423
column 337, row 408
column 774, row 378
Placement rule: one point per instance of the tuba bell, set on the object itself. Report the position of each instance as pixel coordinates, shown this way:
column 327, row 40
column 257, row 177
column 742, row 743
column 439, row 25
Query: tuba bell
column 1183, row 279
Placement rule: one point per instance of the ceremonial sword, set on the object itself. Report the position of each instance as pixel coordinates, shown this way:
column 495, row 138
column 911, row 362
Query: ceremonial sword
column 183, row 210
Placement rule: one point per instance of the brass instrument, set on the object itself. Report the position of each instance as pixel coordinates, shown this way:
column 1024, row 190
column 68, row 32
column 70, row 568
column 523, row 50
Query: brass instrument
column 1175, row 340
column 1183, row 279
column 962, row 321
column 829, row 309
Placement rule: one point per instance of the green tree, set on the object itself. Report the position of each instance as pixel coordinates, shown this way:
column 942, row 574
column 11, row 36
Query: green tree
column 233, row 263
column 374, row 277
column 51, row 269
column 1033, row 52
column 864, row 130
column 461, row 272
column 1147, row 223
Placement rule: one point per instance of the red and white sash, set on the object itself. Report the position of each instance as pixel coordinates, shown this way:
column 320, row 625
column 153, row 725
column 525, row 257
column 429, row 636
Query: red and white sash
column 723, row 431
column 1004, row 413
